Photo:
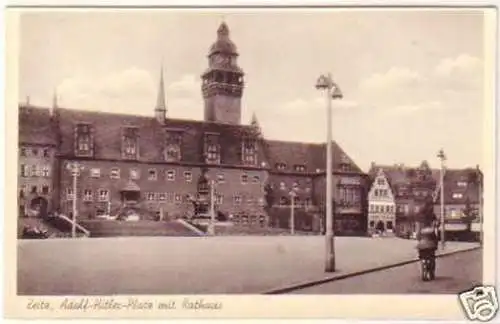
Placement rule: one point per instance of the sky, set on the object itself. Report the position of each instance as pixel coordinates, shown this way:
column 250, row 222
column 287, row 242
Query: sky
column 412, row 80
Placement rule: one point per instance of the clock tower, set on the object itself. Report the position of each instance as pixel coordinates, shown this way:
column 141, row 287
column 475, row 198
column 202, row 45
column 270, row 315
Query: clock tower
column 222, row 82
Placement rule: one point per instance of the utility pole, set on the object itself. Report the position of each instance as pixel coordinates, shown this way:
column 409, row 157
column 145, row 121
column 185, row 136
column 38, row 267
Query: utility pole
column 74, row 168
column 211, row 225
column 332, row 91
column 292, row 212
column 442, row 157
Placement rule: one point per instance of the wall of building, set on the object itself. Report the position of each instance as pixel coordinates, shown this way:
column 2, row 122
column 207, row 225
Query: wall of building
column 382, row 206
column 38, row 182
column 166, row 193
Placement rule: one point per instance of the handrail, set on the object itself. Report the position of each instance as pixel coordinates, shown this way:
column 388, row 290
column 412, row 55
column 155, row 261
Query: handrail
column 80, row 227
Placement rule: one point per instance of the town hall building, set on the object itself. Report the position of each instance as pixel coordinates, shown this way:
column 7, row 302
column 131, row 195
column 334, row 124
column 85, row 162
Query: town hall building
column 154, row 165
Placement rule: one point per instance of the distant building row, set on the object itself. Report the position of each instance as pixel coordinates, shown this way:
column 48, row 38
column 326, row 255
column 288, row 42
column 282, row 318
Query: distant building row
column 398, row 193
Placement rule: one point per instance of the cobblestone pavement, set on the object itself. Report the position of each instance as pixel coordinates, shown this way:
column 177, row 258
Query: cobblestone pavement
column 199, row 265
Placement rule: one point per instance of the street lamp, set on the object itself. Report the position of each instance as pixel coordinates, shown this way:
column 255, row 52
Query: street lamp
column 74, row 168
column 442, row 158
column 292, row 194
column 332, row 91
column 211, row 225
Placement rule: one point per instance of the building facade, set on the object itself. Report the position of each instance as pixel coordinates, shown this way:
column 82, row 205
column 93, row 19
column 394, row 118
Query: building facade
column 410, row 189
column 463, row 196
column 153, row 165
column 382, row 205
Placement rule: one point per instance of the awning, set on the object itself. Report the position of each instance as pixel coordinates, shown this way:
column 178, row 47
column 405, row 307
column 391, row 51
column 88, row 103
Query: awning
column 131, row 186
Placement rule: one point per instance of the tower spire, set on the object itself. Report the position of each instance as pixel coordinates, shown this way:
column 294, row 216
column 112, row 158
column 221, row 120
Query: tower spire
column 54, row 99
column 161, row 107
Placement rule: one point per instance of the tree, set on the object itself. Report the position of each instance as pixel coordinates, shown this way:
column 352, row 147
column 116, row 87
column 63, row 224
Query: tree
column 468, row 215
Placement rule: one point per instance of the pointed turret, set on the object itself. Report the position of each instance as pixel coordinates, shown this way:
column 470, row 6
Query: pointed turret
column 254, row 123
column 161, row 107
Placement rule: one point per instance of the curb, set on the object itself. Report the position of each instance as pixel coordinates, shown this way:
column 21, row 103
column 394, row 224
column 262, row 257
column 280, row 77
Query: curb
column 357, row 273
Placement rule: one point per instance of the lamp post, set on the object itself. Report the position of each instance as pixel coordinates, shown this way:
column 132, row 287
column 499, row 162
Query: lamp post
column 75, row 168
column 442, row 158
column 480, row 200
column 292, row 194
column 332, row 91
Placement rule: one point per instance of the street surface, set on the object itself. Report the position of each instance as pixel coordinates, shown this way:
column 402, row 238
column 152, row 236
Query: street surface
column 454, row 274
column 197, row 265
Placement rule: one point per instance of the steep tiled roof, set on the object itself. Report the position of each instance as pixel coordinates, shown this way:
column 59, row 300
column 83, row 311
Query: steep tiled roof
column 108, row 131
column 310, row 155
column 108, row 128
column 459, row 194
column 35, row 126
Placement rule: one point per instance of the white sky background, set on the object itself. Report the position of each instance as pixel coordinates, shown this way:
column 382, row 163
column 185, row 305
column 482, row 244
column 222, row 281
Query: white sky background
column 412, row 80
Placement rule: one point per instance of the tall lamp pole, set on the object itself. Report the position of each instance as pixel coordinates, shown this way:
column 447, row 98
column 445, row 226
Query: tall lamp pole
column 332, row 91
column 293, row 194
column 211, row 225
column 74, row 168
column 442, row 158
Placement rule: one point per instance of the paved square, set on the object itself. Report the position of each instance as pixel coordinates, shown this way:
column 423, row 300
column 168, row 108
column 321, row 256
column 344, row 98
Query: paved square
column 210, row 265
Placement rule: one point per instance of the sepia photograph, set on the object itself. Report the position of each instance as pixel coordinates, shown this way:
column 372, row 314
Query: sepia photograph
column 252, row 152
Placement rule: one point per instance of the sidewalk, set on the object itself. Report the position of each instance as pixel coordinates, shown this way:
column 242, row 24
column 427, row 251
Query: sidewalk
column 202, row 265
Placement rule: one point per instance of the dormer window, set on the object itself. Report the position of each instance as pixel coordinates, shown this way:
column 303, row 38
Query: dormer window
column 249, row 152
column 212, row 149
column 280, row 166
column 299, row 167
column 84, row 140
column 173, row 143
column 130, row 143
column 462, row 183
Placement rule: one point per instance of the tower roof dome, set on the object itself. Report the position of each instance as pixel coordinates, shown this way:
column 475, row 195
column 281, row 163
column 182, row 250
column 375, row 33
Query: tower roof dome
column 223, row 44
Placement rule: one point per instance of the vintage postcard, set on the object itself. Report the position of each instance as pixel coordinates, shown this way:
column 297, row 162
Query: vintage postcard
column 251, row 163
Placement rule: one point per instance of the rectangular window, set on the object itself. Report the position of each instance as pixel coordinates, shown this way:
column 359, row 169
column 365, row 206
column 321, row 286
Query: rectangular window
column 237, row 199
column 34, row 152
column 84, row 139
column 150, row 196
column 281, row 166
column 134, row 174
column 256, row 179
column 462, row 183
column 24, row 170
column 299, row 167
column 380, row 181
column 46, row 153
column 188, row 176
column 173, row 143
column 22, row 152
column 87, row 195
column 95, row 172
column 282, row 186
column 130, row 143
column 115, row 173
column 152, row 174
column 69, row 193
column 162, row 196
column 457, row 195
column 178, row 199
column 212, row 149
column 244, row 178
column 34, row 189
column 46, row 171
column 283, row 201
column 249, row 151
column 45, row 190
column 103, row 195
column 170, row 175
column 34, row 171
column 219, row 199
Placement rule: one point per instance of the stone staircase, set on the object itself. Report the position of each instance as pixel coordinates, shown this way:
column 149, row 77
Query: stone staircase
column 111, row 228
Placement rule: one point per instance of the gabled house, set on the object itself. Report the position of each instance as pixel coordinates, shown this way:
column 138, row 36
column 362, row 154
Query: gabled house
column 462, row 199
column 381, row 204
